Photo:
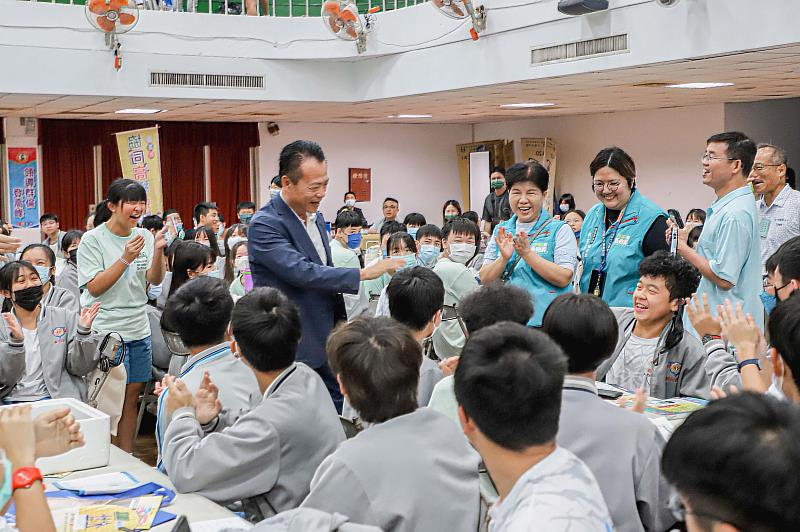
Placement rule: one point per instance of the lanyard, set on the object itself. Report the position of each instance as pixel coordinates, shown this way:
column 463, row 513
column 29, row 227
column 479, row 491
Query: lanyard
column 606, row 247
column 512, row 266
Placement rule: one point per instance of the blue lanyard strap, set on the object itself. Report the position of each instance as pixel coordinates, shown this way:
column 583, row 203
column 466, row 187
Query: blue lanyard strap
column 606, row 246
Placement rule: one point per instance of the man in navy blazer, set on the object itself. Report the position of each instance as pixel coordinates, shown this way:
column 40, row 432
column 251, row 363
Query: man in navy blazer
column 289, row 250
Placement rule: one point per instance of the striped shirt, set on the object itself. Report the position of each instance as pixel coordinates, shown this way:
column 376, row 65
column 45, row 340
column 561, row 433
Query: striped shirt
column 778, row 222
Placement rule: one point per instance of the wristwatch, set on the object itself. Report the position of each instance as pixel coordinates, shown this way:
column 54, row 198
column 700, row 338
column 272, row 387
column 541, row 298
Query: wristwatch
column 708, row 337
column 24, row 477
column 743, row 363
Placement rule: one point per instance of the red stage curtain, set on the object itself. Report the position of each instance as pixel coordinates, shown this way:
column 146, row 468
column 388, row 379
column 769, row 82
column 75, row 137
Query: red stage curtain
column 230, row 179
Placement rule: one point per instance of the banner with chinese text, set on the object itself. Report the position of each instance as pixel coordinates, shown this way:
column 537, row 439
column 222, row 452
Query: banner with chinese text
column 23, row 187
column 140, row 158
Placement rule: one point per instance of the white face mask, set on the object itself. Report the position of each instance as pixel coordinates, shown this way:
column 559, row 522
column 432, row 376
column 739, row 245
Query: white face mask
column 350, row 202
column 563, row 207
column 242, row 263
column 462, row 253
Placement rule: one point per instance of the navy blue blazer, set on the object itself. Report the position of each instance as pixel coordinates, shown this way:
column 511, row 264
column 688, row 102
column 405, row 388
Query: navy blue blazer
column 282, row 256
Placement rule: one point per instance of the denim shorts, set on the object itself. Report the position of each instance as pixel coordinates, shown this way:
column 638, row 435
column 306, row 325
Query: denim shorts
column 139, row 360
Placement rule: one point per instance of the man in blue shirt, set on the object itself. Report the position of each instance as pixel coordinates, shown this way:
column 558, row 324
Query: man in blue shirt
column 728, row 253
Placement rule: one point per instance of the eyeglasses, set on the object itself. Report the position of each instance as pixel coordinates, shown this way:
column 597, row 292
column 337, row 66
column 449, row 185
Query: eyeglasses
column 706, row 157
column 761, row 167
column 612, row 186
column 775, row 289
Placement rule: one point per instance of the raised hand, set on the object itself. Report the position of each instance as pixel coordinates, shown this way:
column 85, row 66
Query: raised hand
column 178, row 396
column 449, row 365
column 522, row 244
column 88, row 315
column 505, row 243
column 699, row 314
column 207, row 404
column 740, row 329
column 161, row 240
column 9, row 244
column 14, row 328
column 683, row 235
column 133, row 248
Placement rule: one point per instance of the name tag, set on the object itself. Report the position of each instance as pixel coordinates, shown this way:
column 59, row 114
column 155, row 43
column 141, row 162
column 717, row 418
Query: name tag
column 539, row 247
column 763, row 227
column 622, row 240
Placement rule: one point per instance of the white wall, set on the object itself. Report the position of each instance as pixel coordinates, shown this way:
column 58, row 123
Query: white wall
column 773, row 121
column 414, row 163
column 665, row 144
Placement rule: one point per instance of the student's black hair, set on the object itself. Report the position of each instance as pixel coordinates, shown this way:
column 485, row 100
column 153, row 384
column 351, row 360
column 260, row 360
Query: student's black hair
column 48, row 216
column 235, row 228
column 396, row 238
column 597, row 325
column 576, row 211
column 125, row 190
column 202, row 209
column 415, row 296
column 377, row 361
column 349, row 193
column 697, row 213
column 528, row 172
column 8, row 276
column 414, row 218
column 493, row 303
column 153, row 222
column 245, row 205
column 69, row 238
column 347, row 218
column 739, row 148
column 680, row 277
column 277, row 181
column 499, row 170
column 292, row 157
column 737, row 461
column 102, row 213
column 788, row 259
column 390, row 199
column 191, row 234
column 200, row 311
column 462, row 226
column 472, row 216
column 429, row 230
column 509, row 364
column 694, row 236
column 170, row 211
column 616, row 159
column 569, row 198
column 450, row 203
column 784, row 332
column 267, row 329
column 389, row 228
column 51, row 256
column 189, row 255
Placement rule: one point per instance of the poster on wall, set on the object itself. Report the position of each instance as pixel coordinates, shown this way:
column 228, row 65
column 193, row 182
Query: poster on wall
column 501, row 153
column 543, row 151
column 23, row 187
column 361, row 183
column 140, row 158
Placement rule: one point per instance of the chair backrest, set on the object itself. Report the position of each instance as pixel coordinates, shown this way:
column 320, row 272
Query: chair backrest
column 161, row 353
column 174, row 343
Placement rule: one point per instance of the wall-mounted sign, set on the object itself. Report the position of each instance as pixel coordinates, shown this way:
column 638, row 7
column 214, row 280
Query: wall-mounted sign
column 361, row 183
column 23, row 187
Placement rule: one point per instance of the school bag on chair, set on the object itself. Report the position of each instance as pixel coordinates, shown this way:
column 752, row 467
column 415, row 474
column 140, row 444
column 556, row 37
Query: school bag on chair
column 106, row 383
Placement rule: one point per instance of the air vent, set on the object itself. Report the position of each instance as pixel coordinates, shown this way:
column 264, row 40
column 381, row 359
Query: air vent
column 206, row 81
column 615, row 44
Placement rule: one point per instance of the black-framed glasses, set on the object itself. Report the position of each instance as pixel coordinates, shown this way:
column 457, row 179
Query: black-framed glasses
column 708, row 157
column 612, row 186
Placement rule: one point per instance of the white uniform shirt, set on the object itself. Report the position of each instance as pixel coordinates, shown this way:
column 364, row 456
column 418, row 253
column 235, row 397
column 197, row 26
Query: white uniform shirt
column 31, row 387
column 310, row 225
column 631, row 366
column 779, row 222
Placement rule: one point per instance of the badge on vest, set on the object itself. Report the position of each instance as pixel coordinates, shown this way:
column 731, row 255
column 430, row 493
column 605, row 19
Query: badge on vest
column 58, row 335
column 622, row 240
column 539, row 247
column 763, row 227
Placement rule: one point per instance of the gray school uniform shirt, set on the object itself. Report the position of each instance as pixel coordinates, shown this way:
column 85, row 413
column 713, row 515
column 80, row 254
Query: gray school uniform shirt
column 61, row 298
column 622, row 450
column 68, row 280
column 268, row 454
column 413, row 473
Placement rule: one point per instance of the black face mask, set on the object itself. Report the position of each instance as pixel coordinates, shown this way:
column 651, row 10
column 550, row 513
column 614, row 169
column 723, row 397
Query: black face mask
column 73, row 256
column 28, row 298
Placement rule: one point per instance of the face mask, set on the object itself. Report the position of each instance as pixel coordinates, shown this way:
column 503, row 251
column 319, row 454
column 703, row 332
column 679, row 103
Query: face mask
column 153, row 292
column 245, row 218
column 449, row 217
column 768, row 301
column 385, row 254
column 216, row 274
column 73, row 256
column 220, row 231
column 563, row 207
column 354, row 241
column 428, row 255
column 28, row 298
column 462, row 253
column 242, row 263
column 497, row 184
column 205, row 243
column 413, row 232
column 350, row 202
column 5, row 490
column 232, row 241
column 411, row 260
column 274, row 193
column 44, row 273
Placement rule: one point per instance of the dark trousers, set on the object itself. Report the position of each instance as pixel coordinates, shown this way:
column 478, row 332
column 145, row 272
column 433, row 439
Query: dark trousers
column 332, row 385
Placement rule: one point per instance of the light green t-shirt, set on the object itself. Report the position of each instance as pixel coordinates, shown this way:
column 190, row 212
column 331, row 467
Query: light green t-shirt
column 121, row 306
column 459, row 281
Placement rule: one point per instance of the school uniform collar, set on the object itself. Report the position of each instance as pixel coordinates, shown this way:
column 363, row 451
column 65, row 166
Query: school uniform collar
column 574, row 382
column 193, row 359
column 280, row 379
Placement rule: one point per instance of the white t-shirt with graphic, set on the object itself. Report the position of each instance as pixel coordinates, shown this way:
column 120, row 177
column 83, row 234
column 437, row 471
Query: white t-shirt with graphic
column 630, row 369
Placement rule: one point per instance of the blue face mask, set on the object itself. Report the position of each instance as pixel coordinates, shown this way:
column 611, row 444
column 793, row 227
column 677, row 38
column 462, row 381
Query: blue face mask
column 413, row 232
column 354, row 240
column 411, row 260
column 5, row 490
column 768, row 301
column 44, row 273
column 217, row 274
column 428, row 255
column 245, row 218
column 274, row 193
column 154, row 291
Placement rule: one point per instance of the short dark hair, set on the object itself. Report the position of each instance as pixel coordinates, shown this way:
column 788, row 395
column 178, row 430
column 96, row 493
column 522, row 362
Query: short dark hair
column 414, row 218
column 47, row 217
column 389, row 228
column 378, row 362
column 191, row 234
column 597, row 325
column 680, row 276
column 102, row 213
column 347, row 218
column 170, row 211
column 396, row 238
column 739, row 148
column 188, row 255
column 48, row 251
column 293, row 155
column 202, row 209
column 528, row 172
column 697, row 213
column 153, row 222
column 415, row 296
column 509, row 364
column 616, row 159
column 499, row 170
column 493, row 303
column 349, row 193
column 569, row 198
column 390, row 199
column 737, row 461
column 126, row 190
column 266, row 326
column 70, row 237
column 788, row 259
column 276, row 181
column 784, row 332
column 200, row 311
column 472, row 216
column 429, row 230
column 245, row 205
column 576, row 211
column 694, row 235
column 462, row 226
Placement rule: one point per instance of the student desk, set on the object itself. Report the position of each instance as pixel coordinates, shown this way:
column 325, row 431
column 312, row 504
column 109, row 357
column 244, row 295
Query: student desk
column 194, row 507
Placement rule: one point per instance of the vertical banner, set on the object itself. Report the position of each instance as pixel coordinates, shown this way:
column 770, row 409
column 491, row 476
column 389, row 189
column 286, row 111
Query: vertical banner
column 140, row 157
column 543, row 151
column 23, row 187
column 499, row 151
column 361, row 183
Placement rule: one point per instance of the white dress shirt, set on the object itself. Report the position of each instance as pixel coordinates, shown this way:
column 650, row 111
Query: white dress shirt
column 310, row 225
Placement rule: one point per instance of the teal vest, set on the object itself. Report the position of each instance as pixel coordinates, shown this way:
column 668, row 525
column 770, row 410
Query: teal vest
column 624, row 254
column 542, row 292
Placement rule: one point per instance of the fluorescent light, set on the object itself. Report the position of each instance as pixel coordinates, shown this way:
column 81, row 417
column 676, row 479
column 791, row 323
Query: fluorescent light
column 138, row 111
column 699, row 85
column 410, row 116
column 525, row 105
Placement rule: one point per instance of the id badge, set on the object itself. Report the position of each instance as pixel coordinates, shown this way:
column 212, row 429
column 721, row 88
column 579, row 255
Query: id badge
column 763, row 227
column 597, row 282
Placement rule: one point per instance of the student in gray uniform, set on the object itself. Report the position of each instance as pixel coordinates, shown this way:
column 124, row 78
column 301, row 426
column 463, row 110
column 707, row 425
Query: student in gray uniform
column 68, row 279
column 508, row 387
column 653, row 351
column 411, row 470
column 267, row 457
column 200, row 312
column 44, row 260
column 622, row 448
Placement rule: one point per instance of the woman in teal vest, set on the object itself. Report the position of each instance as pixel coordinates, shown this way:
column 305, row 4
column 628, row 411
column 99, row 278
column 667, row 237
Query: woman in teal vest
column 618, row 232
column 532, row 250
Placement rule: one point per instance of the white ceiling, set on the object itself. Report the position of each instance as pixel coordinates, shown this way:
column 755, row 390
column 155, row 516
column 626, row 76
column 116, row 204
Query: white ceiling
column 758, row 75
